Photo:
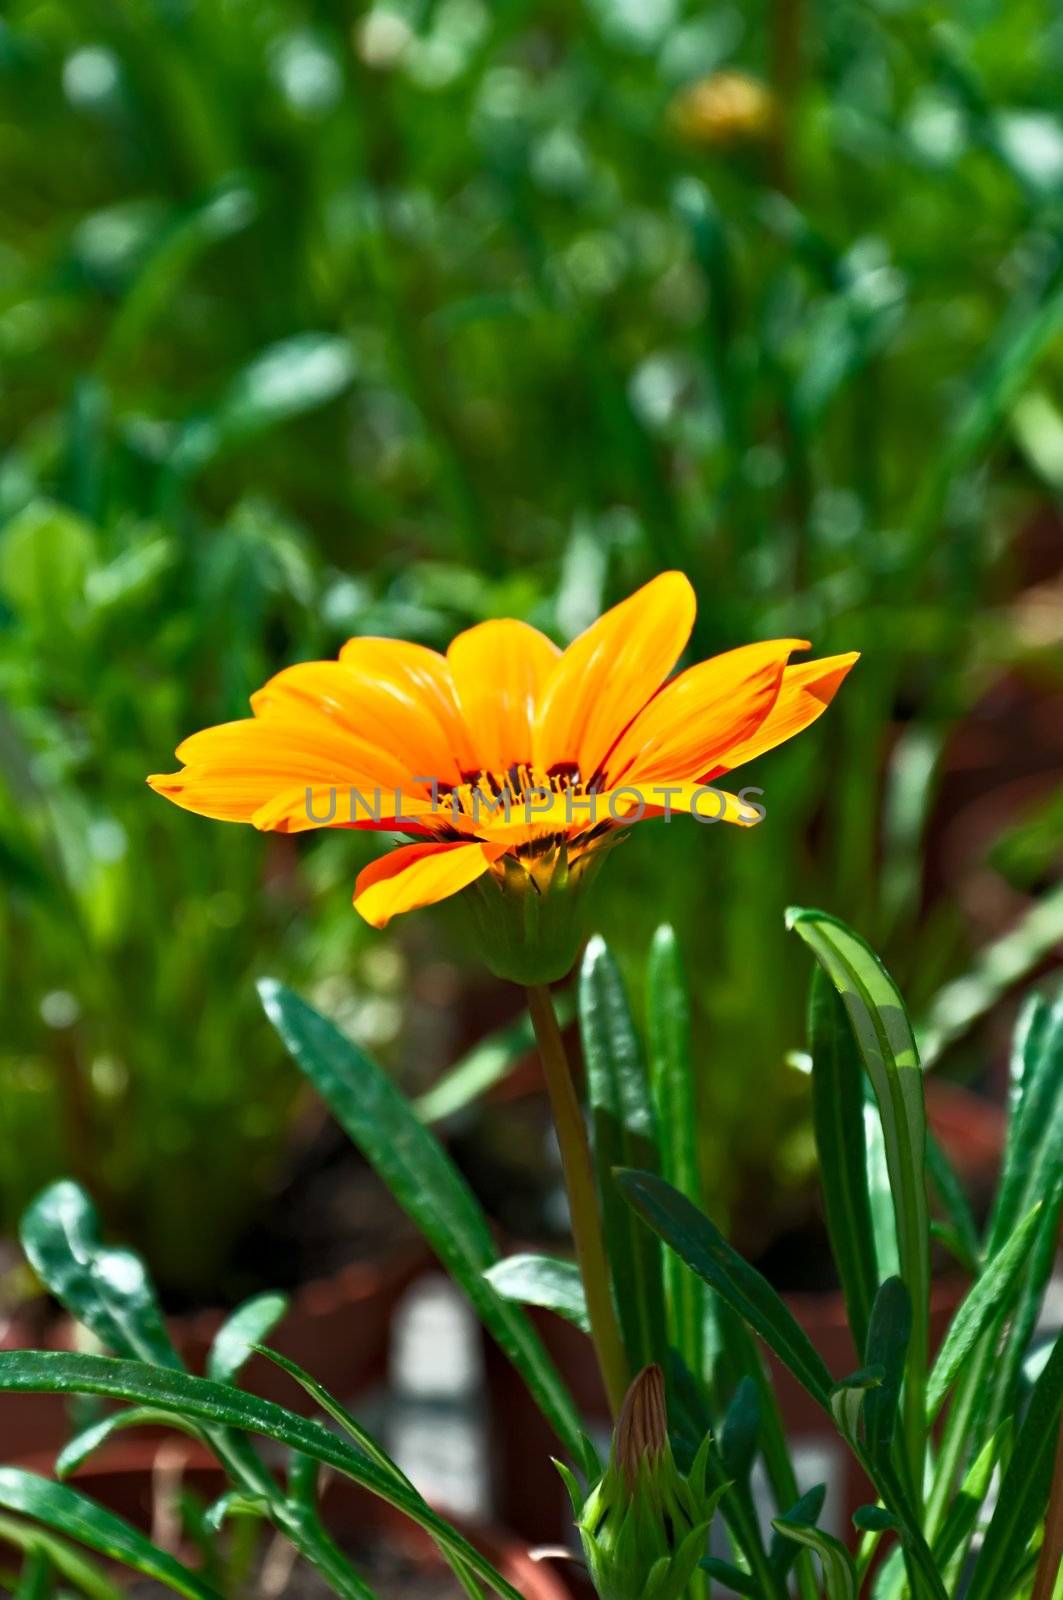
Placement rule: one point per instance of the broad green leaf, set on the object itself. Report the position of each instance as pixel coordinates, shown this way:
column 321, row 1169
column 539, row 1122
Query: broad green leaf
column 248, row 1326
column 886, row 1349
column 223, row 1406
column 67, row 1561
column 704, row 1249
column 487, row 1063
column 884, row 1036
column 77, row 1450
column 988, row 1295
column 108, row 1290
column 838, row 1570
column 672, row 1080
column 1023, row 1489
column 543, row 1281
column 838, row 1116
column 67, row 1512
column 624, row 1136
column 426, row 1184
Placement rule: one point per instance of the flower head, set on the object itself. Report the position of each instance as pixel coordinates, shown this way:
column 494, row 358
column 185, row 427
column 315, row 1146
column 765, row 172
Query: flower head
column 723, row 109
column 644, row 1526
column 511, row 764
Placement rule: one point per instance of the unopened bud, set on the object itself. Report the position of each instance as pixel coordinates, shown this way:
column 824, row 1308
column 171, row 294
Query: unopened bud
column 644, row 1526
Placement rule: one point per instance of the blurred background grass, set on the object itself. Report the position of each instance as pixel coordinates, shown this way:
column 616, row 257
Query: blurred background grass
column 319, row 320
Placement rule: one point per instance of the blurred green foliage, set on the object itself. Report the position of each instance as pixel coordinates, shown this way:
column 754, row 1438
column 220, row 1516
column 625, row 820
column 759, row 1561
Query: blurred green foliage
column 319, row 319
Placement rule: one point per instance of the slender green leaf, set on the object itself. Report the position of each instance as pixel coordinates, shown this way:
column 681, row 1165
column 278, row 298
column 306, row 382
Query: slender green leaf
column 978, row 1311
column 838, row 1570
column 701, row 1245
column 838, row 1116
column 741, row 1427
column 624, row 1136
column 67, row 1512
column 35, row 1580
column 1000, row 965
column 672, row 1079
column 886, row 1350
column 426, row 1184
column 884, row 1036
column 964, row 1507
column 949, row 1191
column 543, row 1281
column 1023, row 1489
column 804, row 1513
column 733, row 1577
column 223, row 1406
column 1036, row 1111
column 77, row 1450
column 108, row 1290
column 248, row 1326
column 365, row 1441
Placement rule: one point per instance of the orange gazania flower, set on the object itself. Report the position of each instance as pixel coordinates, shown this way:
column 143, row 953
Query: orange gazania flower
column 510, row 762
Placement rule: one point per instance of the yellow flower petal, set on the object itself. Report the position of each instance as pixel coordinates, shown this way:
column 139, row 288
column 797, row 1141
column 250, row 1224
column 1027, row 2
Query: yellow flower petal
column 806, row 692
column 608, row 674
column 419, row 875
column 688, row 726
column 499, row 670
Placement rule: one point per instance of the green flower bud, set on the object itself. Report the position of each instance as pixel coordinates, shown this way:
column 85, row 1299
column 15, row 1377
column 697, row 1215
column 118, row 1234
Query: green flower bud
column 644, row 1526
column 531, row 913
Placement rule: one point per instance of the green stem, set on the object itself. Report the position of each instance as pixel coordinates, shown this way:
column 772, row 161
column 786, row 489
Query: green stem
column 582, row 1197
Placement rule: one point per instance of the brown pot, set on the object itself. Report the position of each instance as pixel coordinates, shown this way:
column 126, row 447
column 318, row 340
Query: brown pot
column 125, row 1475
column 338, row 1328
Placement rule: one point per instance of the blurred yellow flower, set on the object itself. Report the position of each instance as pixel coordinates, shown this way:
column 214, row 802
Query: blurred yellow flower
column 724, row 109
